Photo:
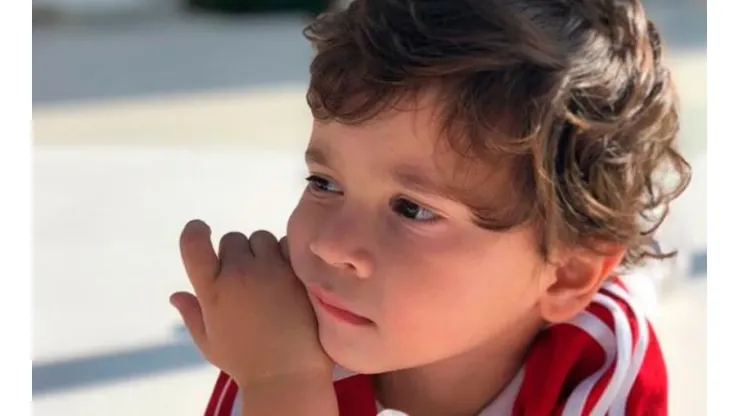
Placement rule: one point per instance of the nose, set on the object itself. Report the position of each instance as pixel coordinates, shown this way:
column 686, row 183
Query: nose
column 342, row 245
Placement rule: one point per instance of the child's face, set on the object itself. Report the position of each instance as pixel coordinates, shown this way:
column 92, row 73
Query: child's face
column 371, row 236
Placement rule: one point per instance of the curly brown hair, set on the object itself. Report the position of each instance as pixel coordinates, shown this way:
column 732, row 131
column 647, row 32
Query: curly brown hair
column 573, row 93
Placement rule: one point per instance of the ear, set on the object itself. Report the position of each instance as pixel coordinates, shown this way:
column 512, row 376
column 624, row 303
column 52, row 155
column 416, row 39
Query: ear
column 576, row 277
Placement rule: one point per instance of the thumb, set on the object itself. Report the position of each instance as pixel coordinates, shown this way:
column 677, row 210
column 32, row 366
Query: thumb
column 189, row 308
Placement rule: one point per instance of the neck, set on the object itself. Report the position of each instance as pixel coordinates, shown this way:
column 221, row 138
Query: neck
column 461, row 385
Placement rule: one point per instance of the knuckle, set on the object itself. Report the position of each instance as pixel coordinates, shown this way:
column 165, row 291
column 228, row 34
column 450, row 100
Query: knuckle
column 239, row 269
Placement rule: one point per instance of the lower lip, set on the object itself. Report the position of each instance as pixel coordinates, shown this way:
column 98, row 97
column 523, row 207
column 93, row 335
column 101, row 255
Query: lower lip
column 343, row 315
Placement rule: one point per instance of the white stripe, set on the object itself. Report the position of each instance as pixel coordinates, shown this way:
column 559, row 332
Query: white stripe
column 340, row 373
column 603, row 335
column 620, row 403
column 623, row 334
column 236, row 408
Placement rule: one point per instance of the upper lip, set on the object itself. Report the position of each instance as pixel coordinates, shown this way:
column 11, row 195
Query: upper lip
column 330, row 299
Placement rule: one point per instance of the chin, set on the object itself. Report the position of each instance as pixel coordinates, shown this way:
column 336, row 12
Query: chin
column 361, row 359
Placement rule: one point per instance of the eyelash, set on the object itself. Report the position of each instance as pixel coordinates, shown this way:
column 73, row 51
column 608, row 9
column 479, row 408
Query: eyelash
column 320, row 185
column 399, row 204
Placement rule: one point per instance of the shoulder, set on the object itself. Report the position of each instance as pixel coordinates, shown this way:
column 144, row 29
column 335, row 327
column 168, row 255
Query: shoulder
column 635, row 380
column 605, row 359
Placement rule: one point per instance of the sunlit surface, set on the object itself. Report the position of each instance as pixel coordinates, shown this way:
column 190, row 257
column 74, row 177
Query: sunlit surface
column 139, row 145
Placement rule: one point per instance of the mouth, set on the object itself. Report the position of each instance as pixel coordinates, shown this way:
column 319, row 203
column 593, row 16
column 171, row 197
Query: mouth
column 335, row 309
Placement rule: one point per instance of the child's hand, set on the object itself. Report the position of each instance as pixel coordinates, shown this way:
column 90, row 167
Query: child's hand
column 250, row 315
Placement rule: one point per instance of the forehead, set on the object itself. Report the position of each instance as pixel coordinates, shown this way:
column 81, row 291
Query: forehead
column 408, row 136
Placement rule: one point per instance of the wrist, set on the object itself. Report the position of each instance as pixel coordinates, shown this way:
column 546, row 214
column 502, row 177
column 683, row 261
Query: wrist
column 269, row 382
column 319, row 375
column 302, row 394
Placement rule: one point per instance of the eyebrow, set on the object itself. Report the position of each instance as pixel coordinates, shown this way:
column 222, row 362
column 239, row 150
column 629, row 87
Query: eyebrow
column 317, row 156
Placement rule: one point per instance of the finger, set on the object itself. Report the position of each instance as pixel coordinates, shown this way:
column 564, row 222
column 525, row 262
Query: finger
column 192, row 316
column 198, row 256
column 264, row 244
column 284, row 251
column 234, row 251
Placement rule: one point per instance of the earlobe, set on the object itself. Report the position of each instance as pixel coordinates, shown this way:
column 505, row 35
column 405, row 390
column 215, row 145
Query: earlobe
column 576, row 279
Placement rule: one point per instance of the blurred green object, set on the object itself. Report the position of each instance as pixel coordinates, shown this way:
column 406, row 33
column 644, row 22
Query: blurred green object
column 255, row 6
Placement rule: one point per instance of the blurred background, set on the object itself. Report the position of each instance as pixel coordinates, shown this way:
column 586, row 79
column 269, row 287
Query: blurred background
column 147, row 113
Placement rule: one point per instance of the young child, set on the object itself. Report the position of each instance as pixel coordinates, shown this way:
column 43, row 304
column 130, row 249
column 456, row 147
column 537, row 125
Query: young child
column 481, row 173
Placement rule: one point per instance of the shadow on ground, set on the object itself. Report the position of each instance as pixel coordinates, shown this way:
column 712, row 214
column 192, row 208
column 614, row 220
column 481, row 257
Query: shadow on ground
column 56, row 376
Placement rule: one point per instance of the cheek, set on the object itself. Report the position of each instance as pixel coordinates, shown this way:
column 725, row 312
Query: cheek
column 436, row 313
column 457, row 294
column 295, row 226
column 437, row 295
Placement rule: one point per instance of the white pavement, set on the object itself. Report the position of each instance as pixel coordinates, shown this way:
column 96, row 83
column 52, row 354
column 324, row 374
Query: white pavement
column 106, row 222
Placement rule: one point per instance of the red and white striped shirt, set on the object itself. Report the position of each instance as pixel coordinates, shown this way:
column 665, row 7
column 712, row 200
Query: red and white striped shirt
column 606, row 360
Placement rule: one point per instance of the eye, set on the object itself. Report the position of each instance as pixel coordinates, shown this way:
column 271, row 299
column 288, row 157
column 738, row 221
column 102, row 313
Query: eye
column 322, row 185
column 413, row 211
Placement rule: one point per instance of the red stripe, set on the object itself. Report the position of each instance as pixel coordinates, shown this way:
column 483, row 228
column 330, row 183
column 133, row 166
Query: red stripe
column 355, row 396
column 227, row 404
column 598, row 389
column 649, row 394
column 218, row 392
column 560, row 358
